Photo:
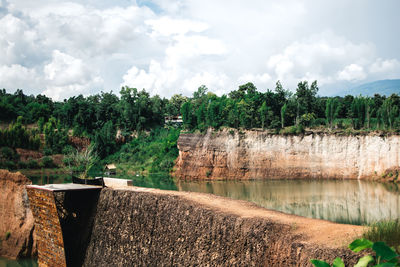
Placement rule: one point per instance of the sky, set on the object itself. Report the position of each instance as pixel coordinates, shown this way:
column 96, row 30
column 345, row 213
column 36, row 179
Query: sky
column 66, row 48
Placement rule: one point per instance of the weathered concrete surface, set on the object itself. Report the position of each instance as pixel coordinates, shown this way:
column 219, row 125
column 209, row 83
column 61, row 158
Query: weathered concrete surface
column 63, row 219
column 149, row 227
column 230, row 154
column 15, row 217
column 49, row 236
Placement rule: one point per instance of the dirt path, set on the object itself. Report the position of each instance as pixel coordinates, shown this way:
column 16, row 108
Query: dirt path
column 319, row 232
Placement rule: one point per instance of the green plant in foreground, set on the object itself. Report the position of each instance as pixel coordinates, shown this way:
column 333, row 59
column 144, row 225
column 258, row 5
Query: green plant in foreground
column 384, row 255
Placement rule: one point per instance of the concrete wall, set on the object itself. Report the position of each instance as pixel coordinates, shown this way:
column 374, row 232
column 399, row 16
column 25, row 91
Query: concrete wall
column 49, row 236
column 145, row 227
column 63, row 223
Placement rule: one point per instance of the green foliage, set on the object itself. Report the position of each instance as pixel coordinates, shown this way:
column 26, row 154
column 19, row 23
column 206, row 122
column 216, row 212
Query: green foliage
column 32, row 164
column 332, row 111
column 152, row 153
column 47, row 162
column 105, row 140
column 81, row 161
column 383, row 255
column 17, row 136
column 336, row 263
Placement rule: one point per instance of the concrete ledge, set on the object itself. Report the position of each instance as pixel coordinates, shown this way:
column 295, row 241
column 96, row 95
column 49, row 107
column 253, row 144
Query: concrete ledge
column 110, row 182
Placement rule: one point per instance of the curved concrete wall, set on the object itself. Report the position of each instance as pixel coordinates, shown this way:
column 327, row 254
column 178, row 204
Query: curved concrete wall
column 148, row 227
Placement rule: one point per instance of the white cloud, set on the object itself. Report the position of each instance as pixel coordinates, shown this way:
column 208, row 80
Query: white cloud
column 352, row 72
column 385, row 66
column 18, row 77
column 69, row 47
column 325, row 57
column 166, row 26
column 67, row 76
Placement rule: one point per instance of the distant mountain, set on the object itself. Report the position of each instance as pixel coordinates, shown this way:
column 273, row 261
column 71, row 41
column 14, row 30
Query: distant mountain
column 382, row 87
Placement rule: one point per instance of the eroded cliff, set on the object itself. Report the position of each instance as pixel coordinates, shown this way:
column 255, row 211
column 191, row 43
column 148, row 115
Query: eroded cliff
column 17, row 224
column 230, row 154
column 149, row 227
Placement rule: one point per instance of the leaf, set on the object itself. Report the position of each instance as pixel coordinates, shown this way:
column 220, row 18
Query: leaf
column 386, row 264
column 384, row 251
column 318, row 263
column 360, row 244
column 338, row 262
column 363, row 261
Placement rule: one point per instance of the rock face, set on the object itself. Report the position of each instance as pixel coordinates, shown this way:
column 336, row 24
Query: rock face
column 16, row 227
column 230, row 154
column 148, row 227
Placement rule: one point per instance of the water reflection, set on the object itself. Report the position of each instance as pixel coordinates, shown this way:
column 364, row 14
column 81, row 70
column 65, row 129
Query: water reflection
column 345, row 201
column 353, row 202
column 18, row 263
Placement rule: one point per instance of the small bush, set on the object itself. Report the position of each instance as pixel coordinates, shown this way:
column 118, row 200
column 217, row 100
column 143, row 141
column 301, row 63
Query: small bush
column 10, row 165
column 22, row 165
column 208, row 174
column 8, row 154
column 32, row 164
column 47, row 162
column 68, row 150
column 47, row 151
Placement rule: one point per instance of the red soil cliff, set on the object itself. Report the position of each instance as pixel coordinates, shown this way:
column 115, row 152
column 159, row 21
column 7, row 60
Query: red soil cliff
column 16, row 223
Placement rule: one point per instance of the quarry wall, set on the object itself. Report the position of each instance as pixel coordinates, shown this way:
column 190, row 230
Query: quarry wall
column 232, row 154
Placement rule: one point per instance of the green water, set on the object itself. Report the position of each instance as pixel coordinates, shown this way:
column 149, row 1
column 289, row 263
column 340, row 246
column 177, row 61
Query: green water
column 344, row 201
column 18, row 263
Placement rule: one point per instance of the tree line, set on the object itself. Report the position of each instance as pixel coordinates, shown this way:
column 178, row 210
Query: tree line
column 103, row 117
column 249, row 108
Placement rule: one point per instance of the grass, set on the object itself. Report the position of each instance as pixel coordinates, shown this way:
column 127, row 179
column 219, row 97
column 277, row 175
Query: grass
column 386, row 231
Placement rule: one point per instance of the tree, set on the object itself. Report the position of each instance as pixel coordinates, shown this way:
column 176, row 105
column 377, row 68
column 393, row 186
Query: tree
column 283, row 115
column 332, row 110
column 306, row 98
column 104, row 140
column 263, row 114
column 187, row 116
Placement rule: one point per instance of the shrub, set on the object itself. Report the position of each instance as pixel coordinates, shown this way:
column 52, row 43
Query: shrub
column 8, row 153
column 47, row 151
column 47, row 162
column 32, row 164
column 22, row 165
column 10, row 165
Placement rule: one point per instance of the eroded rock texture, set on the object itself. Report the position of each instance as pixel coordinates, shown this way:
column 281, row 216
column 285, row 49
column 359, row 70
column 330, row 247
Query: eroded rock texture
column 16, row 219
column 230, row 154
column 153, row 228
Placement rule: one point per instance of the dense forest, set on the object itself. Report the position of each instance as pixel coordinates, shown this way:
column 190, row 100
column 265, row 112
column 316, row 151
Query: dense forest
column 120, row 126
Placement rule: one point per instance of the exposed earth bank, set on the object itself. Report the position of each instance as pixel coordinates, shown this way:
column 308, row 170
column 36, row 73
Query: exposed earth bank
column 149, row 227
column 17, row 223
column 232, row 154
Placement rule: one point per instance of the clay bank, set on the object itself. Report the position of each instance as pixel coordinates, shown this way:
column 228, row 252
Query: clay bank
column 131, row 226
column 231, row 154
